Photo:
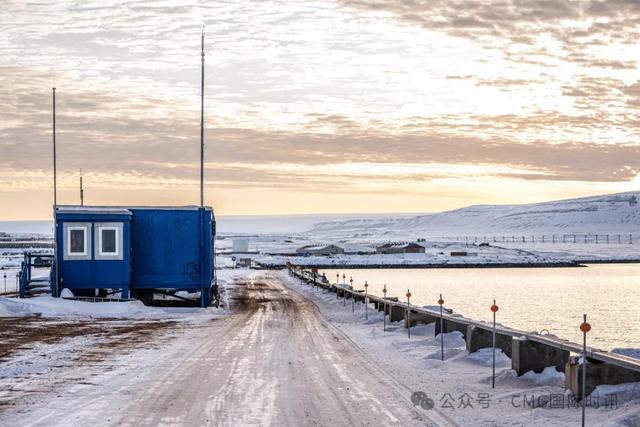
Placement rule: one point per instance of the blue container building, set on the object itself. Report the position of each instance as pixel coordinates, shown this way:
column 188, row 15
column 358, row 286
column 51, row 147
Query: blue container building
column 138, row 251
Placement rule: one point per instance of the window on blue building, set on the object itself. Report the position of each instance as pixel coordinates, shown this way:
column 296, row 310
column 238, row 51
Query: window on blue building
column 77, row 241
column 108, row 241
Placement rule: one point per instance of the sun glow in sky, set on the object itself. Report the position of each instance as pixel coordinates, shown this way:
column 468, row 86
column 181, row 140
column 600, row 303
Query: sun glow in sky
column 320, row 106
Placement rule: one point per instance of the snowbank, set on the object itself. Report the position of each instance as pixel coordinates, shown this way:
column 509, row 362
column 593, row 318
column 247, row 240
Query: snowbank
column 66, row 293
column 484, row 357
column 549, row 376
column 14, row 308
column 58, row 307
column 626, row 392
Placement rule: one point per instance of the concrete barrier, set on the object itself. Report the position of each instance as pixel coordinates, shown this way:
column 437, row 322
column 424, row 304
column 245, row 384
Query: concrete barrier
column 478, row 337
column 451, row 326
column 418, row 318
column 385, row 304
column 396, row 312
column 529, row 355
column 359, row 296
column 597, row 373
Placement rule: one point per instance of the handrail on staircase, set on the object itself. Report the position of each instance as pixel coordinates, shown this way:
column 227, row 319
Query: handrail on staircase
column 29, row 261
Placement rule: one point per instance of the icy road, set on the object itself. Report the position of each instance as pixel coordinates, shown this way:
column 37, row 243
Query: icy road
column 275, row 361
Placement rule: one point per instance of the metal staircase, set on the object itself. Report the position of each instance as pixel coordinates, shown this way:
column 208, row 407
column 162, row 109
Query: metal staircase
column 32, row 286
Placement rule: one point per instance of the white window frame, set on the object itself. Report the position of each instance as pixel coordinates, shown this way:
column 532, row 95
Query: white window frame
column 85, row 232
column 117, row 237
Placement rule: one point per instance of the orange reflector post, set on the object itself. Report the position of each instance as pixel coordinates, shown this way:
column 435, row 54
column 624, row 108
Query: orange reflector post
column 585, row 327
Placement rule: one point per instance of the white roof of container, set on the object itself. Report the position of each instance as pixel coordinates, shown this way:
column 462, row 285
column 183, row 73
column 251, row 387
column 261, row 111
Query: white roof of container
column 93, row 210
column 121, row 209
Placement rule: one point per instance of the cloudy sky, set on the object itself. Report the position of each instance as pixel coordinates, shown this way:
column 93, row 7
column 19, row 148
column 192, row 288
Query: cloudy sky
column 319, row 106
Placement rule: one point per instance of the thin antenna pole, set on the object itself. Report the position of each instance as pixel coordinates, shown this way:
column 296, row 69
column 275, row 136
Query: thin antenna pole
column 81, row 190
column 55, row 186
column 202, row 125
column 204, row 301
column 54, row 288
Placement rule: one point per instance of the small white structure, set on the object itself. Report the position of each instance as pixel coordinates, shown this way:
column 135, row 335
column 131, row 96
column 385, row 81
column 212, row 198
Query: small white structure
column 240, row 246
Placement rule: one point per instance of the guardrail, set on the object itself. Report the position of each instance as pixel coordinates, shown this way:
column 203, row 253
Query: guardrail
column 34, row 286
column 528, row 351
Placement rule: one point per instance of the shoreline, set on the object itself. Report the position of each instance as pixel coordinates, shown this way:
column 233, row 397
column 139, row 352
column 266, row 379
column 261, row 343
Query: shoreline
column 610, row 261
column 429, row 266
column 565, row 264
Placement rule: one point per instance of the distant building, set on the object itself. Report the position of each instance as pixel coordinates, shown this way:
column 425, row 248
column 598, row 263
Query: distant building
column 400, row 248
column 319, row 250
column 463, row 253
column 240, row 246
column 459, row 253
column 243, row 263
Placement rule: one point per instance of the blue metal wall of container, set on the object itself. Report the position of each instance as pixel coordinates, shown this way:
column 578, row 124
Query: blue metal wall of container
column 85, row 263
column 135, row 250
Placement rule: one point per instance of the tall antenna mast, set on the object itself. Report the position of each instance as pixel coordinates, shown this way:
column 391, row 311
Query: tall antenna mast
column 54, row 288
column 81, row 190
column 55, row 186
column 202, row 125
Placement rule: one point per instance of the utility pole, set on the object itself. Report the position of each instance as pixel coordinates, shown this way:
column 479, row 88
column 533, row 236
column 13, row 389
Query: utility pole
column 55, row 200
column 81, row 190
column 202, row 125
column 202, row 237
column 55, row 187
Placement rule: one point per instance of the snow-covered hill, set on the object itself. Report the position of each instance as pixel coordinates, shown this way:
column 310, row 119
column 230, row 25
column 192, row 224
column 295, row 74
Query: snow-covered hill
column 614, row 213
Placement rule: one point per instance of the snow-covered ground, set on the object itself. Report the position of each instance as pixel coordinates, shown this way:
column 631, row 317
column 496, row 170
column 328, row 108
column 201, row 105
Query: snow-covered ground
column 437, row 254
column 270, row 363
column 460, row 387
column 285, row 354
column 48, row 306
column 600, row 228
column 606, row 214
